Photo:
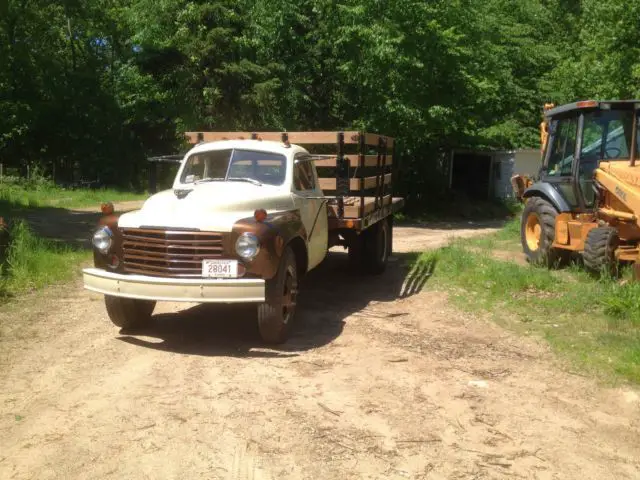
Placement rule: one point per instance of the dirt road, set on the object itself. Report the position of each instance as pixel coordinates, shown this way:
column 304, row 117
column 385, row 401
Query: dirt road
column 380, row 381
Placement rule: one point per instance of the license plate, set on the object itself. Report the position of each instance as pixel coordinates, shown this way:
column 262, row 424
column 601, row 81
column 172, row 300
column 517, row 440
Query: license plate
column 220, row 268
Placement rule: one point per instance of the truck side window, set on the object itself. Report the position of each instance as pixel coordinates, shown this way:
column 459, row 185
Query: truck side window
column 303, row 176
column 563, row 148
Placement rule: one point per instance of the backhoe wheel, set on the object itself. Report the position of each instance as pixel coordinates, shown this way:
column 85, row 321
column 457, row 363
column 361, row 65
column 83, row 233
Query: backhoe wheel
column 537, row 233
column 128, row 313
column 600, row 251
column 275, row 315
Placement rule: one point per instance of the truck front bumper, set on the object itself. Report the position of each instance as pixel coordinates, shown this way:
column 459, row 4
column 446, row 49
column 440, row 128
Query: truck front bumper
column 200, row 290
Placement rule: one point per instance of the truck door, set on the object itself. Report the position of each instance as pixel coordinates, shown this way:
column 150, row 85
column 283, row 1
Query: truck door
column 307, row 197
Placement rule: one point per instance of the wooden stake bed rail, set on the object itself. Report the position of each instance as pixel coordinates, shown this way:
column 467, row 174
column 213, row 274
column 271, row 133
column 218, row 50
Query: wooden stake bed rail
column 358, row 180
column 300, row 138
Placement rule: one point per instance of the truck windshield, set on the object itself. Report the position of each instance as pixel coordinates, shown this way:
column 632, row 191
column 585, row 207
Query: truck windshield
column 233, row 165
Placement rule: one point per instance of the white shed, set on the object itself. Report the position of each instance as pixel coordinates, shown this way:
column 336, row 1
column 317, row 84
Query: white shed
column 487, row 174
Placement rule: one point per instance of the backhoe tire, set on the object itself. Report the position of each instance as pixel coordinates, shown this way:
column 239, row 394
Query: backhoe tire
column 276, row 314
column 129, row 313
column 537, row 232
column 369, row 251
column 600, row 251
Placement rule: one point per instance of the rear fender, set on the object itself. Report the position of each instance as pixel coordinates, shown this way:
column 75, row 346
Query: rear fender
column 546, row 191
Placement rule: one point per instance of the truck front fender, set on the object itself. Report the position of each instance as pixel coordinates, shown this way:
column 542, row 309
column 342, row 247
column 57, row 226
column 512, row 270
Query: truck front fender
column 277, row 231
column 546, row 190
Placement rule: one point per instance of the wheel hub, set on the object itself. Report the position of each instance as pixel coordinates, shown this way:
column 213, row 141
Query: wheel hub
column 533, row 232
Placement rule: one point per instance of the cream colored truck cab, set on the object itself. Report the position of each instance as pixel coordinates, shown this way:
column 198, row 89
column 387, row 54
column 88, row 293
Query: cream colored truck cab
column 243, row 221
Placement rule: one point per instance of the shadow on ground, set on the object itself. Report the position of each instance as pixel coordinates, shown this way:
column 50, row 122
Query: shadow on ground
column 453, row 224
column 328, row 295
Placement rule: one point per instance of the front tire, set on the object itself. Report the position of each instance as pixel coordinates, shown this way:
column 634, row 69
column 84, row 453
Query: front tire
column 276, row 314
column 600, row 251
column 129, row 313
column 538, row 231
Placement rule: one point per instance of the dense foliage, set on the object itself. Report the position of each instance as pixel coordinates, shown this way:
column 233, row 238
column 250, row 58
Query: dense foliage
column 89, row 88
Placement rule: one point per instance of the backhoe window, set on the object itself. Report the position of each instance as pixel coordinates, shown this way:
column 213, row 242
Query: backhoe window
column 607, row 135
column 563, row 148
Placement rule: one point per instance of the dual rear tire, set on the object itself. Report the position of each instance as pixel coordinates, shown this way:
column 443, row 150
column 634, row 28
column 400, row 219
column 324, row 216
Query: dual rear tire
column 370, row 250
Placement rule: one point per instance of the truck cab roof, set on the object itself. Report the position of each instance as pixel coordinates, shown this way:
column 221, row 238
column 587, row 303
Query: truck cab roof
column 258, row 145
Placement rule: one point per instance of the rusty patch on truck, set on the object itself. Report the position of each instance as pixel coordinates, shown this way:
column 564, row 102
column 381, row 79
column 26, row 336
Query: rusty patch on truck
column 274, row 233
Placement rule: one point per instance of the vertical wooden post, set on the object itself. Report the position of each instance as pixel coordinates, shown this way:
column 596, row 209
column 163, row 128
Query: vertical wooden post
column 342, row 174
column 153, row 177
column 395, row 163
column 362, row 150
column 384, row 170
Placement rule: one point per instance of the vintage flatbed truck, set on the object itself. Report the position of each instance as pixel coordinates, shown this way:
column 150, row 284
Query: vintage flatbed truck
column 248, row 215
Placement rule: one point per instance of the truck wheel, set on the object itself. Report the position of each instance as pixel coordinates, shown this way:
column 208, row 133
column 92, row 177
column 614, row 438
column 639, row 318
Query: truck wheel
column 129, row 312
column 377, row 247
column 369, row 251
column 600, row 251
column 537, row 232
column 275, row 315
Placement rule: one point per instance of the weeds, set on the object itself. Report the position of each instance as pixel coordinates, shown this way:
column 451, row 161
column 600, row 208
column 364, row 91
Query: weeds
column 595, row 323
column 31, row 262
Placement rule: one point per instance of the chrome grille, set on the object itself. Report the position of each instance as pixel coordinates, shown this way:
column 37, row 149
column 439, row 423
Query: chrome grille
column 168, row 253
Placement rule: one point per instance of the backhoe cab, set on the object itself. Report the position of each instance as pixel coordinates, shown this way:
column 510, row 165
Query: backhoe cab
column 587, row 198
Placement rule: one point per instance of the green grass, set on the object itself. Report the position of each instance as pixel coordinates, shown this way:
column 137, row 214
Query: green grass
column 593, row 323
column 505, row 239
column 42, row 193
column 31, row 262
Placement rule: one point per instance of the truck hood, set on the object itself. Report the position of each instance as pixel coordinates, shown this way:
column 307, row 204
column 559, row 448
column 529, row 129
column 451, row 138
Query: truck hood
column 214, row 206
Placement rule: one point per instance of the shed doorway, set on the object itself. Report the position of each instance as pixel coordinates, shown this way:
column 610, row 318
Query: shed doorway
column 471, row 175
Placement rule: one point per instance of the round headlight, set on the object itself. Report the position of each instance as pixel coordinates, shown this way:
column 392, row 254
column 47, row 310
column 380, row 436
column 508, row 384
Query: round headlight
column 102, row 240
column 247, row 246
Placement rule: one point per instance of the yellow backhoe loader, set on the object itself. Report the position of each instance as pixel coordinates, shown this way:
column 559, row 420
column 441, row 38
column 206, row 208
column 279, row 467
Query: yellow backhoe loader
column 587, row 198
